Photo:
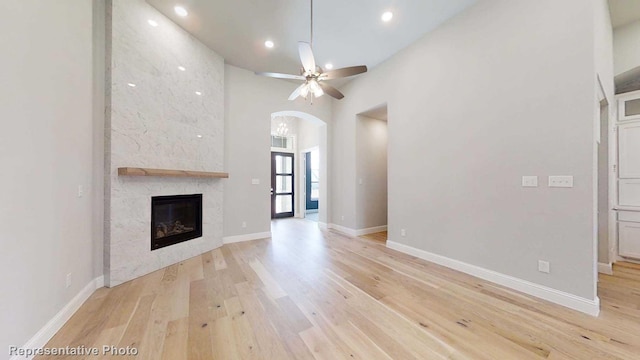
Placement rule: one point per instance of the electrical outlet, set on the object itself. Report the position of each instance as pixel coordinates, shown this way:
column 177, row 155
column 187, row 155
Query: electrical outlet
column 543, row 266
column 68, row 280
column 80, row 191
column 342, row 217
column 403, row 232
column 244, row 224
column 255, row 181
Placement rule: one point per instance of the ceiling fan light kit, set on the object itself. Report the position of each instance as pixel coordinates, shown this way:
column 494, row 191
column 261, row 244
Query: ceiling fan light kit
column 313, row 76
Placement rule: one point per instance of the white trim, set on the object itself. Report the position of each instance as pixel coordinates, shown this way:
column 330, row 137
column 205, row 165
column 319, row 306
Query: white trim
column 245, row 237
column 343, row 229
column 99, row 281
column 591, row 307
column 42, row 337
column 605, row 268
column 323, row 226
column 371, row 230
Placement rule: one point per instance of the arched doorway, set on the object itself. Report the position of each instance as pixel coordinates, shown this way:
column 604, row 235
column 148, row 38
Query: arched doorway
column 299, row 150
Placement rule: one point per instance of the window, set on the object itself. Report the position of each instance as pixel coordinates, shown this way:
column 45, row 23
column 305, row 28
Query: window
column 280, row 142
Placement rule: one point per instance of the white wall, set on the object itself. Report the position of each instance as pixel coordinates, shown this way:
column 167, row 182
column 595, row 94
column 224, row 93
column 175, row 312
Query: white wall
column 371, row 172
column 486, row 110
column 626, row 48
column 160, row 123
column 308, row 135
column 249, row 102
column 46, row 152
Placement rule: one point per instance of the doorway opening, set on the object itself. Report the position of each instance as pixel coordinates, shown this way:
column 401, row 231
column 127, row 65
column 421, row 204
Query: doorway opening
column 605, row 217
column 604, row 255
column 299, row 150
column 371, row 173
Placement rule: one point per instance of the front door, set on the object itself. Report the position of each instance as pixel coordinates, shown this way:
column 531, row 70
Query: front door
column 282, row 185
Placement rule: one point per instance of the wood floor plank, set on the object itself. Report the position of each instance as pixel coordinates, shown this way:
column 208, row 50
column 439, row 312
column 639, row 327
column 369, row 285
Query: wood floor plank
column 176, row 340
column 267, row 338
column 199, row 343
column 271, row 285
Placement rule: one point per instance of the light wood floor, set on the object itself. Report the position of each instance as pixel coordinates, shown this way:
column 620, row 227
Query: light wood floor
column 309, row 294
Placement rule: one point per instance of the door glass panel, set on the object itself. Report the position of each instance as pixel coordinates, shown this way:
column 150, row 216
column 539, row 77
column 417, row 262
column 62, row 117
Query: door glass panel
column 284, row 184
column 284, row 203
column 632, row 107
column 284, row 164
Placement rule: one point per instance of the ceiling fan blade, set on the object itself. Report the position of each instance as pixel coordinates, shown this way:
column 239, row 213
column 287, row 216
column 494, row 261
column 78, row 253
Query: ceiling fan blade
column 331, row 91
column 281, row 76
column 306, row 57
column 296, row 92
column 344, row 72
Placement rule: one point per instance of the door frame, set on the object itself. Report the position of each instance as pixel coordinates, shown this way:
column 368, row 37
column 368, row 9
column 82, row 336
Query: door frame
column 610, row 108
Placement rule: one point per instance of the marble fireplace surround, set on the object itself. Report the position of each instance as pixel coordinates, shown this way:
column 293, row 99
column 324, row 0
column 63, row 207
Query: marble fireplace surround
column 170, row 119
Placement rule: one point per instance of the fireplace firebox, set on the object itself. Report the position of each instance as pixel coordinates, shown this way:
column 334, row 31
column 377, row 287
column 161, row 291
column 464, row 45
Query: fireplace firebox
column 175, row 219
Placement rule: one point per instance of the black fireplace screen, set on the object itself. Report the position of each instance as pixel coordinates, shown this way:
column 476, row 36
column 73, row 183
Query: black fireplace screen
column 175, row 219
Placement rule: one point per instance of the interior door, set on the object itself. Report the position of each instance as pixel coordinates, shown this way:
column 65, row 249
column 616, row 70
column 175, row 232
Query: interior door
column 282, row 194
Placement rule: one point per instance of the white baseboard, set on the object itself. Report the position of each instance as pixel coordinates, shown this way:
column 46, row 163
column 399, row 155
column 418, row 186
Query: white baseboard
column 42, row 337
column 323, row 226
column 371, row 230
column 99, row 282
column 343, row 229
column 245, row 237
column 605, row 268
column 591, row 307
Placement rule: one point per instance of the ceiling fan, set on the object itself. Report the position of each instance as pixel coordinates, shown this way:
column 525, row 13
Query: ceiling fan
column 313, row 75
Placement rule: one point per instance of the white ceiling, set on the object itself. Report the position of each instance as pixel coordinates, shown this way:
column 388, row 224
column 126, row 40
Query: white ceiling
column 624, row 12
column 347, row 32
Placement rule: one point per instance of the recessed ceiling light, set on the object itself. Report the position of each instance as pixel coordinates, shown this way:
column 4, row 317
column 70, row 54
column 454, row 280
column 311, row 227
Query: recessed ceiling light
column 181, row 11
column 387, row 16
column 269, row 44
column 182, row 68
column 199, row 136
column 131, row 85
column 328, row 66
column 198, row 93
column 152, row 22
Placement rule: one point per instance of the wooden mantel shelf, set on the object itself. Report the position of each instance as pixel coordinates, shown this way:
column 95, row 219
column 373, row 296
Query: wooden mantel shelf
column 131, row 171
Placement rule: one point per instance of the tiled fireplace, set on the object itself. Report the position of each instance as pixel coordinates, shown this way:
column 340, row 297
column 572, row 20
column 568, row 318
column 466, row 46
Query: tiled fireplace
column 159, row 117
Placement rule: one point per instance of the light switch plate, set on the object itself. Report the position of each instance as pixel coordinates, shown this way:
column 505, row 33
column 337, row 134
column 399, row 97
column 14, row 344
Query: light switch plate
column 543, row 266
column 561, row 181
column 529, row 181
